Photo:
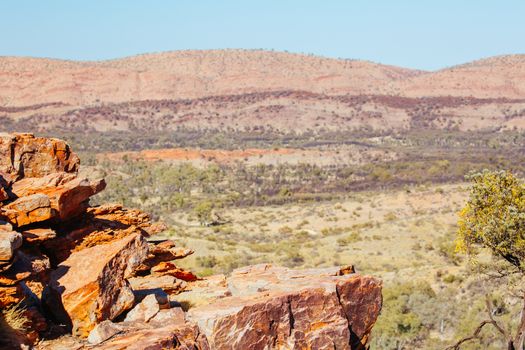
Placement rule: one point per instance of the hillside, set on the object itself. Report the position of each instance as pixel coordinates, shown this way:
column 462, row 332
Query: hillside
column 187, row 74
column 196, row 74
column 501, row 76
column 239, row 90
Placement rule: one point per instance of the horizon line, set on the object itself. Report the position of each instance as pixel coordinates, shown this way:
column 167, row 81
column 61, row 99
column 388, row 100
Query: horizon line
column 151, row 53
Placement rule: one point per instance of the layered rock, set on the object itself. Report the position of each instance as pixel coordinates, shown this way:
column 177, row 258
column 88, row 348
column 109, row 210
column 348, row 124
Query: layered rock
column 23, row 155
column 264, row 307
column 258, row 307
column 59, row 257
column 90, row 286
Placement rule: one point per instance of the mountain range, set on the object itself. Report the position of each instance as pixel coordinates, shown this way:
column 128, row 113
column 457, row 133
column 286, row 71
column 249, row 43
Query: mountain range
column 246, row 88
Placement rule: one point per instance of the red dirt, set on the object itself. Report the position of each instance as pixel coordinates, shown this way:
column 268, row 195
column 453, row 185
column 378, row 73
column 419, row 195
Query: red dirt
column 196, row 154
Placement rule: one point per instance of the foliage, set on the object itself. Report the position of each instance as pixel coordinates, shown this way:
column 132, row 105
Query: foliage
column 494, row 217
column 400, row 322
column 203, row 212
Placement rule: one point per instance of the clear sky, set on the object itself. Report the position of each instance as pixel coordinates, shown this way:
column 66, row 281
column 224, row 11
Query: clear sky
column 425, row 34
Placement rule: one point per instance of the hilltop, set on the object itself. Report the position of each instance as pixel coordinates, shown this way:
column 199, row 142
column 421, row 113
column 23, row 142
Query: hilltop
column 186, row 74
column 196, row 74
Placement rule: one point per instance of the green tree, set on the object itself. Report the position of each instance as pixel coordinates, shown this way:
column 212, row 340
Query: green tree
column 494, row 218
column 203, row 212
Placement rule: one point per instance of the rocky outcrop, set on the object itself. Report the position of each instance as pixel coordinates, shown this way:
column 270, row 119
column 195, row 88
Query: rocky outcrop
column 97, row 274
column 90, row 286
column 9, row 241
column 258, row 307
column 262, row 307
column 66, row 263
column 23, row 155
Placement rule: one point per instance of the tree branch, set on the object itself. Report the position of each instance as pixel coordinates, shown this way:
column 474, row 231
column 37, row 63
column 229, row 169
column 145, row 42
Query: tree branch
column 476, row 334
column 478, row 330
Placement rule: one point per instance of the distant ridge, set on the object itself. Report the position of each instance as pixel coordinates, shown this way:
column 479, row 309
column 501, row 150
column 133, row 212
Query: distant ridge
column 199, row 73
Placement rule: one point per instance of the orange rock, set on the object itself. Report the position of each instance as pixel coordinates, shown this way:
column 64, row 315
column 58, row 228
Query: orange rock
column 160, row 252
column 24, row 265
column 10, row 295
column 68, row 194
column 6, row 280
column 168, row 335
column 99, row 225
column 119, row 215
column 167, row 251
column 72, row 199
column 46, row 184
column 3, row 194
column 37, row 235
column 23, row 155
column 168, row 268
column 280, row 308
column 361, row 300
column 90, row 286
column 28, row 210
column 168, row 284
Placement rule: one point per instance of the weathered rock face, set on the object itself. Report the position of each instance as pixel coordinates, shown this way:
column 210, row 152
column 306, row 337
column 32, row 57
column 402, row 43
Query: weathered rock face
column 99, row 225
column 258, row 307
column 45, row 226
column 42, row 199
column 67, row 195
column 28, row 210
column 266, row 307
column 90, row 285
column 23, row 155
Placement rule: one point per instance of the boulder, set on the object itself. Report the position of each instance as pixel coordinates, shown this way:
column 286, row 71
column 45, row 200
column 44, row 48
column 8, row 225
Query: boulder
column 9, row 242
column 162, row 251
column 121, row 216
column 146, row 309
column 24, row 155
column 68, row 194
column 103, row 331
column 168, row 284
column 46, row 184
column 71, row 199
column 170, row 269
column 281, row 308
column 174, row 314
column 170, row 335
column 28, row 210
column 90, row 286
column 38, row 235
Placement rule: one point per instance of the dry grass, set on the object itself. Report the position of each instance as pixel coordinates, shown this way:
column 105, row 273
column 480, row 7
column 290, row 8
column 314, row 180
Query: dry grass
column 394, row 234
column 15, row 318
column 13, row 325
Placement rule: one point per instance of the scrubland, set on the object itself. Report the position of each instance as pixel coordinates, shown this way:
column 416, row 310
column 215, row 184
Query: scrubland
column 388, row 206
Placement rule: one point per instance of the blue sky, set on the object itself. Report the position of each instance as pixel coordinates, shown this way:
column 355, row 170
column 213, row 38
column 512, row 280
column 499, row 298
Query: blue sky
column 425, row 34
